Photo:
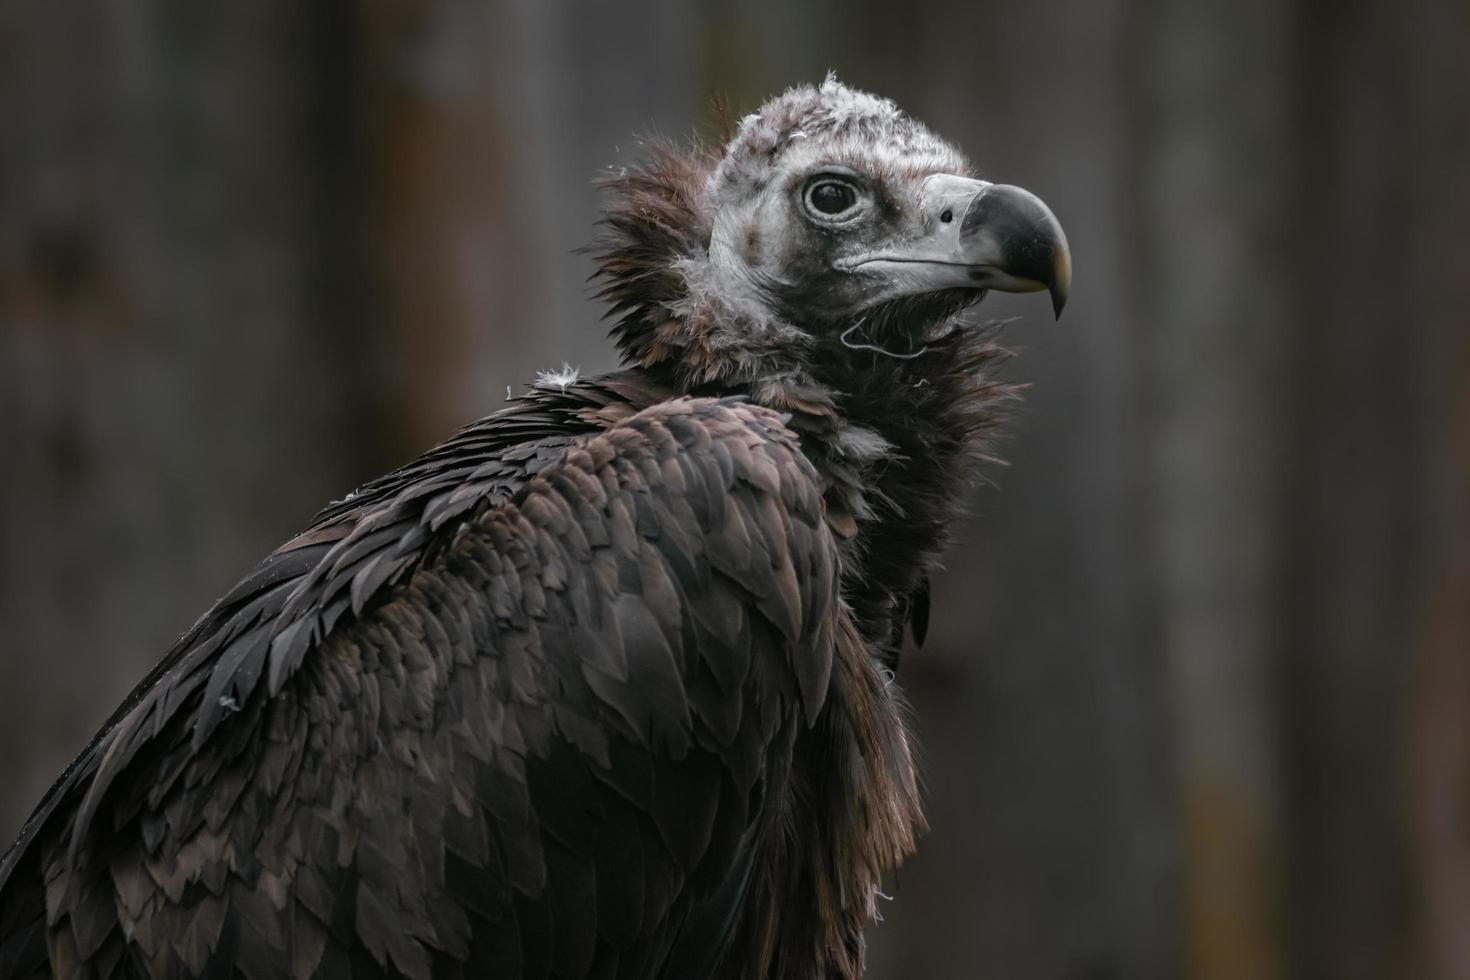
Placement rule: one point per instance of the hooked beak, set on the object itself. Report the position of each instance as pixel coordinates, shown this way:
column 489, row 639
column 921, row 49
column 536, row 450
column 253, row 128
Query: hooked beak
column 982, row 236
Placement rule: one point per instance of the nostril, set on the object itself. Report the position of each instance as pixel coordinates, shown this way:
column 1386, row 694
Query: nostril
column 947, row 216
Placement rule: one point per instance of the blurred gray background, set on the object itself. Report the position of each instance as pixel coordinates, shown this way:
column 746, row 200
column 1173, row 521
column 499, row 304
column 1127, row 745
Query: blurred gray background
column 1196, row 701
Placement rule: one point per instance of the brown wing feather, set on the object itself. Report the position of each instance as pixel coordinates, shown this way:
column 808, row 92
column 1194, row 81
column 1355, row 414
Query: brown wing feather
column 565, row 707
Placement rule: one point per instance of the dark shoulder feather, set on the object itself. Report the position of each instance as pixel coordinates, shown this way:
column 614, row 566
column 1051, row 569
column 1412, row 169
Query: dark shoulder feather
column 351, row 549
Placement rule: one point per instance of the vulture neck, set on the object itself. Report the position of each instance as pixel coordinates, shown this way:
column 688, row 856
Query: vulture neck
column 895, row 430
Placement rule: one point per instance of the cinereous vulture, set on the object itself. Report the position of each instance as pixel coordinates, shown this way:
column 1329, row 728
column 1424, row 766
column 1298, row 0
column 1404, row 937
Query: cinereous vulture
column 603, row 685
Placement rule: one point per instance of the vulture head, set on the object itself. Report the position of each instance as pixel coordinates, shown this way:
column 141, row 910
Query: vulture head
column 829, row 217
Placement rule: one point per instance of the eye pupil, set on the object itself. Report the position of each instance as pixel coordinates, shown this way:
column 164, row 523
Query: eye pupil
column 830, row 197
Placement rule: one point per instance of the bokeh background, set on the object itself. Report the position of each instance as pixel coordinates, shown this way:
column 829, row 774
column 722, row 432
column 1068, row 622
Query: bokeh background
column 1196, row 701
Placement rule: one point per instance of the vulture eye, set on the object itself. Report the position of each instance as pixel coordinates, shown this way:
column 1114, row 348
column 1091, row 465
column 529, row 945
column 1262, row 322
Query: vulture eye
column 830, row 197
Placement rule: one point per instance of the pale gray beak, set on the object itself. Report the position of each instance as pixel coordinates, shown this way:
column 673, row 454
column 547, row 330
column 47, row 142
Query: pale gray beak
column 980, row 236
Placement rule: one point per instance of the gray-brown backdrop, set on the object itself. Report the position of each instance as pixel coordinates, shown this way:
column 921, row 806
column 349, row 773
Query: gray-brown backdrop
column 1197, row 698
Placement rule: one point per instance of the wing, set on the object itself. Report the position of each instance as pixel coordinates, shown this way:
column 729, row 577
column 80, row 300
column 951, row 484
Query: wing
column 353, row 550
column 560, row 703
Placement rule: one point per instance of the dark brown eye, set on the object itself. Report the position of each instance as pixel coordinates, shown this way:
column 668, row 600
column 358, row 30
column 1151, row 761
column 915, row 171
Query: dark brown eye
column 831, row 197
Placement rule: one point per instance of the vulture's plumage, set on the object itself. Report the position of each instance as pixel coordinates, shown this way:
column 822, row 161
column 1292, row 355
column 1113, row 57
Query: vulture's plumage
column 602, row 686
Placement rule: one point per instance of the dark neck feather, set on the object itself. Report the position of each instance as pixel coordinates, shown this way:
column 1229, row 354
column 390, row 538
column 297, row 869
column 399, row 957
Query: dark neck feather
column 655, row 218
column 940, row 413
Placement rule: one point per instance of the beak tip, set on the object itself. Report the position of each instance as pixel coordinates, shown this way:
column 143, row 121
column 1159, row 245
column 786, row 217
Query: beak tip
column 1060, row 286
